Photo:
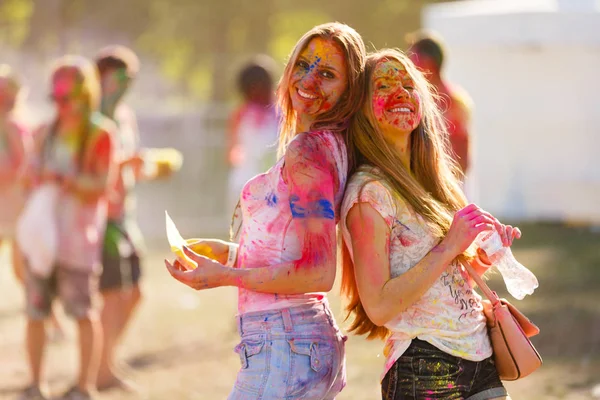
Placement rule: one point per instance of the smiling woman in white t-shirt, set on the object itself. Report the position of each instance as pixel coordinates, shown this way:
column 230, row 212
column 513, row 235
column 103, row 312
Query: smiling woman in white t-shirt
column 407, row 228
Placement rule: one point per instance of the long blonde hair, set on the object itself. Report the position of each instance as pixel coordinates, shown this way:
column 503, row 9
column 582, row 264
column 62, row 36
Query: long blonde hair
column 431, row 187
column 337, row 118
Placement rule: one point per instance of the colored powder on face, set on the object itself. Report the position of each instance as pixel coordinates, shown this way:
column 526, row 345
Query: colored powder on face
column 315, row 63
column 394, row 87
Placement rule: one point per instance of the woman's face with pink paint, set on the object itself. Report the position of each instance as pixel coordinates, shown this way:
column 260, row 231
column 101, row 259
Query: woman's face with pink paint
column 319, row 77
column 396, row 102
column 67, row 95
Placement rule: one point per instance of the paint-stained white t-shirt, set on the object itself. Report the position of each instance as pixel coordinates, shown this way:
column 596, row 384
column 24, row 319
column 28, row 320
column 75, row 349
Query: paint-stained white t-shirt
column 450, row 314
column 268, row 236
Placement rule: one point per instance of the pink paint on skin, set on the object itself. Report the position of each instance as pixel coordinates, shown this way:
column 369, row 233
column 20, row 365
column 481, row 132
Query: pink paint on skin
column 319, row 77
column 396, row 102
column 66, row 92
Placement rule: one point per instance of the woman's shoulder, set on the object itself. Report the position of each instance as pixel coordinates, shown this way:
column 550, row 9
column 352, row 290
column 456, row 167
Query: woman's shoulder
column 368, row 182
column 322, row 145
column 102, row 126
column 368, row 175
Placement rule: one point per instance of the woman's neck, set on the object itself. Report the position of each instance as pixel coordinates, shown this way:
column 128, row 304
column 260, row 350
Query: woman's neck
column 108, row 109
column 400, row 141
column 303, row 123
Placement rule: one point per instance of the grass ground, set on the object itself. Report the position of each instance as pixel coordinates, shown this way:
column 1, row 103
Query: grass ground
column 180, row 344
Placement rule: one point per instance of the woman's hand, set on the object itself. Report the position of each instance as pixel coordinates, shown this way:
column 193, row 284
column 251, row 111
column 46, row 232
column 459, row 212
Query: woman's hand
column 215, row 249
column 208, row 273
column 508, row 233
column 466, row 225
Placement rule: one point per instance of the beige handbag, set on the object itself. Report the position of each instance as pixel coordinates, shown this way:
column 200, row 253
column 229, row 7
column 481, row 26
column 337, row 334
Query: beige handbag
column 509, row 331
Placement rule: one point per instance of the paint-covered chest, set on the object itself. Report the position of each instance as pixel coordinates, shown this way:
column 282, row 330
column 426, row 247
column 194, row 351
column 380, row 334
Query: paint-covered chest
column 268, row 232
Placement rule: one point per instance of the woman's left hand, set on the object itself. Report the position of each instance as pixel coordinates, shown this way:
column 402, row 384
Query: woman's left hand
column 508, row 233
column 208, row 274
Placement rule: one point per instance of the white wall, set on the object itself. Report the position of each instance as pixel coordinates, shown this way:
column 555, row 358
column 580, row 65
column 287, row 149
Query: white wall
column 534, row 78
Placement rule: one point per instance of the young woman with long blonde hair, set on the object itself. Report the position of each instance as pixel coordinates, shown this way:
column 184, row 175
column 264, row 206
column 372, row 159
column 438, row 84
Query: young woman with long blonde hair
column 75, row 153
column 291, row 347
column 407, row 228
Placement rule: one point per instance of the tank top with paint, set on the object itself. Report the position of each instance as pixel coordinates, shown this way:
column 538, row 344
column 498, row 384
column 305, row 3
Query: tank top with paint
column 80, row 224
column 267, row 235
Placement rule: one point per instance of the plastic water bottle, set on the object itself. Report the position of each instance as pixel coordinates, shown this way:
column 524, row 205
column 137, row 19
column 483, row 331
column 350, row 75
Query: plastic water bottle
column 519, row 280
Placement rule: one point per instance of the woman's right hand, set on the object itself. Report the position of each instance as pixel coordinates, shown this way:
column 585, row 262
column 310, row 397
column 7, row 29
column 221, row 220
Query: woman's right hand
column 466, row 225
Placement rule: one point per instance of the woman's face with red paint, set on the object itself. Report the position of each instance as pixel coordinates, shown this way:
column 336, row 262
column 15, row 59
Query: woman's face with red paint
column 319, row 77
column 396, row 102
column 67, row 95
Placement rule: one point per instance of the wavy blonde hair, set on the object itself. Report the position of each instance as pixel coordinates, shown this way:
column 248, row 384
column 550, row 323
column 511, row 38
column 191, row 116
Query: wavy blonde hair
column 336, row 118
column 431, row 187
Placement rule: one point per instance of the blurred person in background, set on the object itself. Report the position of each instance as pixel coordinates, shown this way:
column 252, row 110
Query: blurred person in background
column 75, row 152
column 15, row 152
column 253, row 127
column 407, row 228
column 123, row 242
column 427, row 52
column 290, row 344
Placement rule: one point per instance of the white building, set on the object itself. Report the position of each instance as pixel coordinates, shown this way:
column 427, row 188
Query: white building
column 532, row 68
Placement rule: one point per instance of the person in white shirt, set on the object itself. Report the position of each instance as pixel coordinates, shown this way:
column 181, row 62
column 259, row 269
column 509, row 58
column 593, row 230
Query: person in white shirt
column 407, row 228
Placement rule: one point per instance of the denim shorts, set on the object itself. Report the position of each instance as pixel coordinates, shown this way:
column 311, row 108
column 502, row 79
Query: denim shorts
column 288, row 354
column 425, row 372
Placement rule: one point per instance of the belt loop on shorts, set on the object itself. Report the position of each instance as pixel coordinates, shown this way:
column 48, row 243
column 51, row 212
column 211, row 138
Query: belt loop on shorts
column 238, row 319
column 287, row 320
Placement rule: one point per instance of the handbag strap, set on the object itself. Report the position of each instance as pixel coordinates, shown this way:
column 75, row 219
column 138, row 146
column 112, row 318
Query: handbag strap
column 489, row 293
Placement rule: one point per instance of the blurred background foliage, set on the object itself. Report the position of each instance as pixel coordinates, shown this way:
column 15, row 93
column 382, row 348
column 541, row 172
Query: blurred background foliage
column 197, row 45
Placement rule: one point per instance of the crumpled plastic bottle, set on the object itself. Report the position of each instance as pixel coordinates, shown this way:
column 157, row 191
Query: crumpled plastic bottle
column 518, row 279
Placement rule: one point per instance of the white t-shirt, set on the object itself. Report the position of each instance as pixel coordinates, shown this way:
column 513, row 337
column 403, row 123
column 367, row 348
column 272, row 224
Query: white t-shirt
column 450, row 314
